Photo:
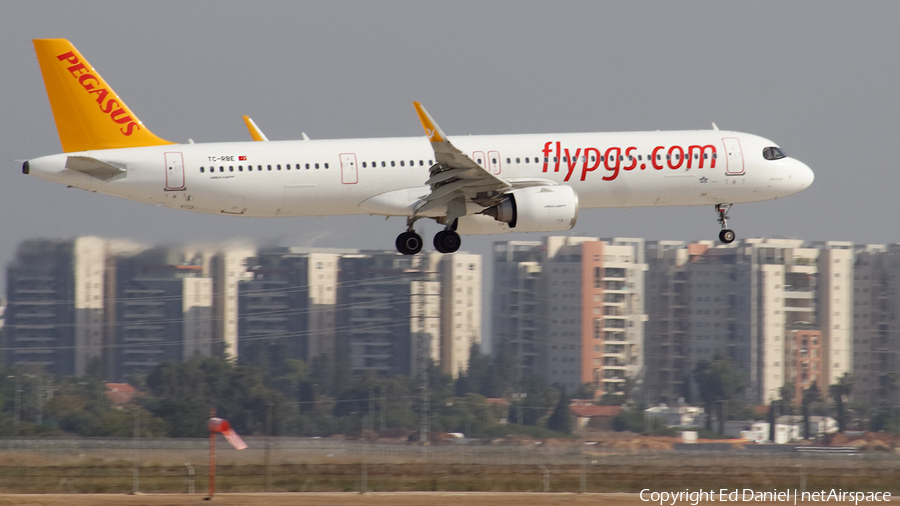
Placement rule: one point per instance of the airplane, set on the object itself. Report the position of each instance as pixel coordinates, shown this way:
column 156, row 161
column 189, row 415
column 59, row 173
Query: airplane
column 478, row 184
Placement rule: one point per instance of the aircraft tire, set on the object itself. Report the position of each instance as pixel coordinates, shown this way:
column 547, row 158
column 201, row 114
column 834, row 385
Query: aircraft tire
column 447, row 241
column 409, row 243
column 726, row 236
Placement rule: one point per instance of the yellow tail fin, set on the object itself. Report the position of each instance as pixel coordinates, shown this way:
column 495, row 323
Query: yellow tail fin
column 88, row 113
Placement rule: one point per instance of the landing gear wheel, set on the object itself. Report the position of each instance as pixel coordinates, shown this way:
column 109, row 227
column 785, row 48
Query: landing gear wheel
column 409, row 243
column 447, row 241
column 726, row 235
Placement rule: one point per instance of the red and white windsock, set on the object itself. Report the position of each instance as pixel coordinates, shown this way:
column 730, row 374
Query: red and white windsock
column 222, row 426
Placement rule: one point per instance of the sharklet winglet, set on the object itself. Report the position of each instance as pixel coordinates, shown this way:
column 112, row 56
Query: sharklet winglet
column 255, row 132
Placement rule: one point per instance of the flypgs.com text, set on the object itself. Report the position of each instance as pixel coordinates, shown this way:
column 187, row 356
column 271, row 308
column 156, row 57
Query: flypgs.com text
column 614, row 158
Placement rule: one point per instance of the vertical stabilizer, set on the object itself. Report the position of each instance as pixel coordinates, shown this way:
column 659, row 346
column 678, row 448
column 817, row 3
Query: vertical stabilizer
column 88, row 113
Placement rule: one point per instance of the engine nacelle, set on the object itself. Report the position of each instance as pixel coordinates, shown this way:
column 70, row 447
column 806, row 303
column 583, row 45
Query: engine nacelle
column 537, row 209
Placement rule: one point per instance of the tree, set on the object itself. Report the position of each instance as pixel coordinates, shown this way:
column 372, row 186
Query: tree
column 718, row 382
column 810, row 395
column 561, row 418
column 838, row 391
column 786, row 392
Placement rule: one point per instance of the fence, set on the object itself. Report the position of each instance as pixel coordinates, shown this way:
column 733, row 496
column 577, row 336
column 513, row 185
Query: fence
column 295, row 464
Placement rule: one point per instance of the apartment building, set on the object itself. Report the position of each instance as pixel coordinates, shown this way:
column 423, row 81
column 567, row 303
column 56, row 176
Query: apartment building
column 55, row 293
column 286, row 308
column 876, row 328
column 163, row 310
column 460, row 278
column 390, row 312
column 571, row 309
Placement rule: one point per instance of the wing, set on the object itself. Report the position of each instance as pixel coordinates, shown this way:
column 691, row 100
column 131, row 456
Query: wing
column 454, row 174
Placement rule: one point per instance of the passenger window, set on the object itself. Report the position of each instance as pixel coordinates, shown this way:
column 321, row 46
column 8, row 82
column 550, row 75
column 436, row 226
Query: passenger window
column 297, row 166
column 307, row 166
column 517, row 160
column 508, row 161
column 221, row 169
column 479, row 161
column 240, row 168
column 278, row 166
column 269, row 167
column 383, row 164
column 412, row 163
column 402, row 163
column 202, row 170
column 364, row 165
column 326, row 165
column 421, row 163
column 493, row 160
column 317, row 166
column 393, row 164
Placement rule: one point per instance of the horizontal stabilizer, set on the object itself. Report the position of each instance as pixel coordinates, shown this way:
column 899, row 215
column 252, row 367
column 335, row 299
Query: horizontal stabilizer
column 95, row 168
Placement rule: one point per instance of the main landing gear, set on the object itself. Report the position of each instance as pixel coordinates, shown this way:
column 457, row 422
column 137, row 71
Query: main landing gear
column 726, row 235
column 410, row 243
column 445, row 241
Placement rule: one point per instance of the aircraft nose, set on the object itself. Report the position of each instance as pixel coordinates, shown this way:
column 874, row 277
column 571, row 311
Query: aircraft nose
column 804, row 175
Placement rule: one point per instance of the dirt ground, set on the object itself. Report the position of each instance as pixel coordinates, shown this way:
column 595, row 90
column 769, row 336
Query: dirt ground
column 342, row 499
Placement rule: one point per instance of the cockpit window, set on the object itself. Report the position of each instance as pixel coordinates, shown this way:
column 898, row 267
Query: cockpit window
column 773, row 153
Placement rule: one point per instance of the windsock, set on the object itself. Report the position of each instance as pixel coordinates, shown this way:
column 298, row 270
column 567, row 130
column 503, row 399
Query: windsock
column 222, row 426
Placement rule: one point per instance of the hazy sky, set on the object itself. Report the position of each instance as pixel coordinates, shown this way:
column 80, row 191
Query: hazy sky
column 818, row 78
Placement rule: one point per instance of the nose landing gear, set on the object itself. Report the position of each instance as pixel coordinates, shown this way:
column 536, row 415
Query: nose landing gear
column 726, row 235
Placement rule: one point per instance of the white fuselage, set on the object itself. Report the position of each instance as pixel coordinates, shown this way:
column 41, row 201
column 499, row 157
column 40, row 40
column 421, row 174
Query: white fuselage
column 387, row 176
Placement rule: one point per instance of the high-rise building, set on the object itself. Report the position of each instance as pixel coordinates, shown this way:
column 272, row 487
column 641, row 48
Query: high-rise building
column 163, row 312
column 759, row 302
column 571, row 309
column 460, row 277
column 229, row 268
column 518, row 307
column 835, row 311
column 876, row 327
column 287, row 307
column 667, row 368
column 54, row 317
column 390, row 311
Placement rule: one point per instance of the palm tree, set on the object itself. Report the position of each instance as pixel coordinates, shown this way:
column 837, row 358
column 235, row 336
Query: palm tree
column 840, row 389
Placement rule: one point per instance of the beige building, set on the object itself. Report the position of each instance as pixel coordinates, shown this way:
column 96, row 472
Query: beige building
column 229, row 268
column 460, row 277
